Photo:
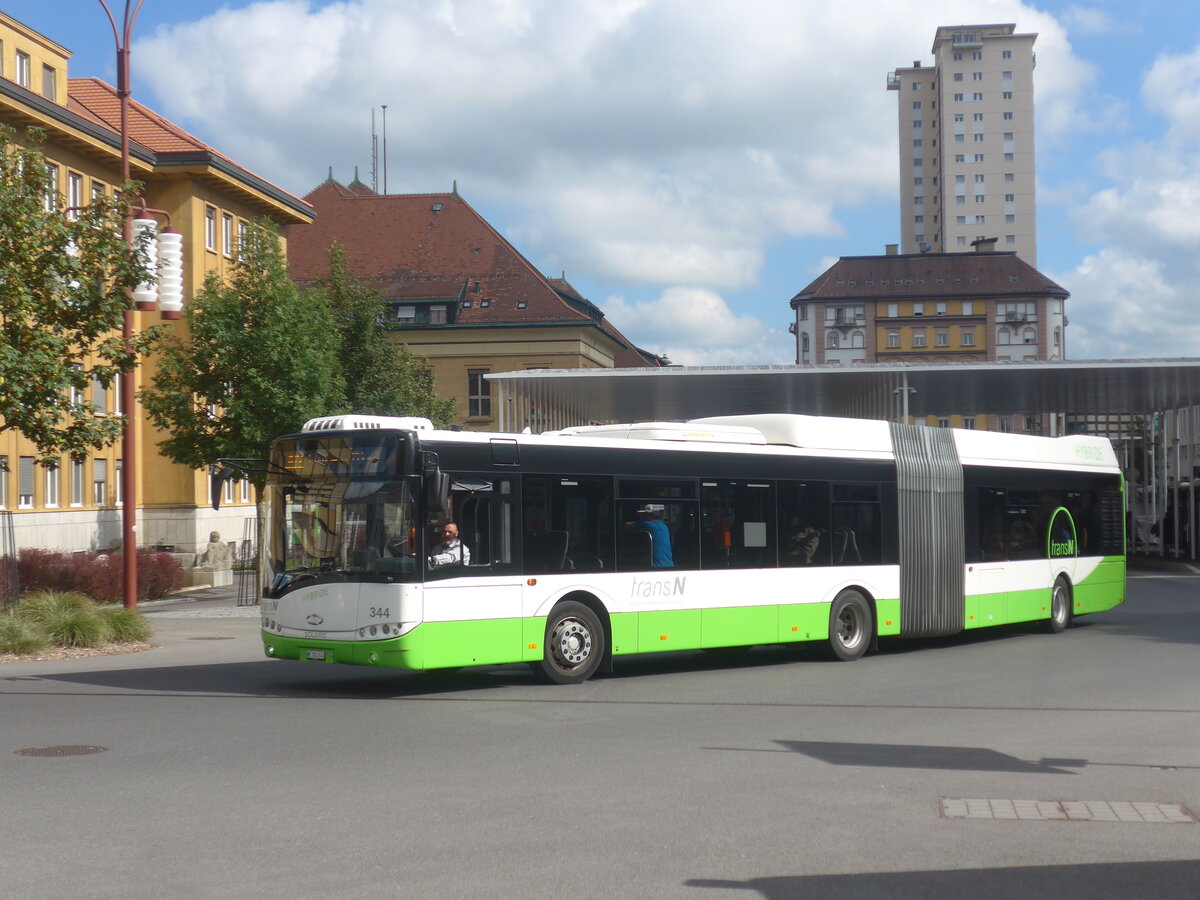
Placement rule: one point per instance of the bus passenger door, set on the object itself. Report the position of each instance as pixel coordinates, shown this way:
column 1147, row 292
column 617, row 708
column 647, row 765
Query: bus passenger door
column 473, row 607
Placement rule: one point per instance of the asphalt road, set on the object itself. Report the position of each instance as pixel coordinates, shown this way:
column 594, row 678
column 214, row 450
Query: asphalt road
column 767, row 774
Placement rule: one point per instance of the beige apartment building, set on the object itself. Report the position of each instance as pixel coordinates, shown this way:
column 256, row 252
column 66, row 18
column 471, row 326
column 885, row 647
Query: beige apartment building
column 75, row 504
column 966, row 143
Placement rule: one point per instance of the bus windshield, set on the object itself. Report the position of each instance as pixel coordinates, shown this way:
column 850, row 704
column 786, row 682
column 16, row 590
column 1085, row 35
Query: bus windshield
column 340, row 506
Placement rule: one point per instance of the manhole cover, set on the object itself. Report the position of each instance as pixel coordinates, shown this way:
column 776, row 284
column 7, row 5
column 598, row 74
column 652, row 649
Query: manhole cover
column 213, row 638
column 61, row 750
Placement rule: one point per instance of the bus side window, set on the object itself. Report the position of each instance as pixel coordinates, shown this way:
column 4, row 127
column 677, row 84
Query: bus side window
column 482, row 508
column 857, row 519
column 804, row 536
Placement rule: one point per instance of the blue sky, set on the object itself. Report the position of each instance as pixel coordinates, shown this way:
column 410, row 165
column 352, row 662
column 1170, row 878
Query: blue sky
column 691, row 165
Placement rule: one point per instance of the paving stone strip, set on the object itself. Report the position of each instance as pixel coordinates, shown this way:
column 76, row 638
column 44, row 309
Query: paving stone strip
column 1068, row 810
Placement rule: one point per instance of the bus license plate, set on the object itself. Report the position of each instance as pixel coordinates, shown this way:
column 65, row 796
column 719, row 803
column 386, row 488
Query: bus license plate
column 318, row 655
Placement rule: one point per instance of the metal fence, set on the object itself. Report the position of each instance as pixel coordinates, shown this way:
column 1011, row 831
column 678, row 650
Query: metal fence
column 10, row 583
column 246, row 564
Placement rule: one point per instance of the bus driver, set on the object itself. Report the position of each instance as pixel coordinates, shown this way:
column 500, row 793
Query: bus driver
column 451, row 551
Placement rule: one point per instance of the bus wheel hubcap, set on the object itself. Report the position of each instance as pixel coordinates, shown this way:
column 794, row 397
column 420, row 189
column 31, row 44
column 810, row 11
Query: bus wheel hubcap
column 848, row 627
column 572, row 642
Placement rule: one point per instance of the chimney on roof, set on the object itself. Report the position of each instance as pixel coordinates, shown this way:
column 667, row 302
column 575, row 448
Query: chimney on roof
column 984, row 245
column 916, row 64
column 891, row 249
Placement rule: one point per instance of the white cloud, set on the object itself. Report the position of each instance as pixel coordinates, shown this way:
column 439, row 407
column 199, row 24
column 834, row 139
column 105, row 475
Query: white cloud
column 629, row 142
column 695, row 326
column 1089, row 20
column 1124, row 304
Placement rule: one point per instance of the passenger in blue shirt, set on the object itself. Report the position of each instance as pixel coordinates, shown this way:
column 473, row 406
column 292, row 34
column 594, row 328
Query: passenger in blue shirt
column 650, row 519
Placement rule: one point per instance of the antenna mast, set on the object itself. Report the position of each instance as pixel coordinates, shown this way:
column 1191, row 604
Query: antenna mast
column 374, row 155
column 385, row 148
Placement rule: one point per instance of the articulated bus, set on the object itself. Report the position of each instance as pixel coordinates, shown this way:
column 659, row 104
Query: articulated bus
column 590, row 543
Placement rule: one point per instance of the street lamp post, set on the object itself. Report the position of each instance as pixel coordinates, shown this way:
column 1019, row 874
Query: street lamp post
column 122, row 35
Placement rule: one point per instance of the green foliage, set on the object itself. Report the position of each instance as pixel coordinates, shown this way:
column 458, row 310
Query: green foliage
column 382, row 377
column 125, row 625
column 260, row 361
column 63, row 283
column 68, row 619
column 19, row 636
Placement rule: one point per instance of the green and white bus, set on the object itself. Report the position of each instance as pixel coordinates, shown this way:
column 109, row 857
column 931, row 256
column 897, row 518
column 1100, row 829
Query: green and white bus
column 596, row 542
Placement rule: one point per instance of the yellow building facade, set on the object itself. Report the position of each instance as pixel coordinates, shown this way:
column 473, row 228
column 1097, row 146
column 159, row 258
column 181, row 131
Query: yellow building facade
column 211, row 201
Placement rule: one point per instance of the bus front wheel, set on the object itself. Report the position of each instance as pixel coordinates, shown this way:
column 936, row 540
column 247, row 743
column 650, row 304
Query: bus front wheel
column 1060, row 606
column 850, row 625
column 574, row 644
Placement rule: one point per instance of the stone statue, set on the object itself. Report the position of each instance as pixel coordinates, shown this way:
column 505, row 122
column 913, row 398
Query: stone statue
column 216, row 555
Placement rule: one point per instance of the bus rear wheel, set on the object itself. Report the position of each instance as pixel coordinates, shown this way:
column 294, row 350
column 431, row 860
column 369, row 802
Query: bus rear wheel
column 851, row 624
column 574, row 644
column 1060, row 607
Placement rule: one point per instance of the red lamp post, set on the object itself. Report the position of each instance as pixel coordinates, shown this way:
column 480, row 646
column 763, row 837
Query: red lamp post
column 145, row 297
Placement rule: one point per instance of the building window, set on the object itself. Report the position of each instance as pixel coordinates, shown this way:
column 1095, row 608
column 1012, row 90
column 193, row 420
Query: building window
column 893, row 340
column 941, row 308
column 958, row 97
column 98, row 397
column 1010, row 239
column 918, row 309
column 406, row 313
column 117, row 400
column 25, row 482
column 916, row 104
column 960, row 241
column 967, row 307
column 979, row 157
column 1006, row 54
column 479, row 394
column 53, row 477
column 1029, row 336
column 24, row 69
column 118, row 483
column 977, row 76
column 77, row 470
column 243, row 237
column 958, row 76
column 969, row 423
column 99, row 482
column 918, row 337
column 1008, row 117
column 1006, row 424
column 50, row 198
column 49, row 83
column 857, row 340
column 977, row 97
column 74, row 194
column 893, row 310
column 3, row 465
column 1007, row 95
column 942, row 339
column 210, row 228
column 227, row 234
column 968, row 337
column 943, row 423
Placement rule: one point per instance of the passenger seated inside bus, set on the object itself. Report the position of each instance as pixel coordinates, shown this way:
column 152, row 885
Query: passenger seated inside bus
column 650, row 520
column 451, row 551
column 804, row 543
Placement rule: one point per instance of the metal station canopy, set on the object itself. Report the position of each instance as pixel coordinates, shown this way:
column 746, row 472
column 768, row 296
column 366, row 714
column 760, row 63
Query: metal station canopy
column 555, row 398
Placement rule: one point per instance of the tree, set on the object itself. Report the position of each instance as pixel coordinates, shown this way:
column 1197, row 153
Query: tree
column 64, row 282
column 258, row 361
column 382, row 377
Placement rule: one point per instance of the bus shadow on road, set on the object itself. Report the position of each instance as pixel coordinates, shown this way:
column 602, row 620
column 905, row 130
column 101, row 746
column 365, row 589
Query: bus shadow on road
column 916, row 756
column 1090, row 881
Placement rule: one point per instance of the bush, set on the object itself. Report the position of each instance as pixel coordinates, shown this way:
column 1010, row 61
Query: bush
column 68, row 619
column 125, row 625
column 19, row 636
column 99, row 575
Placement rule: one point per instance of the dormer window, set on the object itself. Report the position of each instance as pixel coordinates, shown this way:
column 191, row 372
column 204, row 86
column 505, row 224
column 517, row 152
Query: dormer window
column 521, row 304
column 406, row 313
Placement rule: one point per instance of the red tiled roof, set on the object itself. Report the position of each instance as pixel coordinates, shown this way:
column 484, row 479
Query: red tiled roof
column 928, row 275
column 96, row 101
column 432, row 246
